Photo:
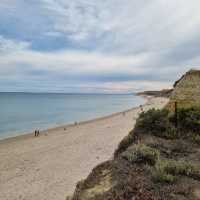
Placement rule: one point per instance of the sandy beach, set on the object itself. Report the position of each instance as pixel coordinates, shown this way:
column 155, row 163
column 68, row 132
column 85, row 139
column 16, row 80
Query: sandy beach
column 48, row 167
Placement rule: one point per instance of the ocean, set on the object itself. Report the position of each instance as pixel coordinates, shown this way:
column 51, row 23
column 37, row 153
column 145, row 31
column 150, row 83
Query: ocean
column 22, row 113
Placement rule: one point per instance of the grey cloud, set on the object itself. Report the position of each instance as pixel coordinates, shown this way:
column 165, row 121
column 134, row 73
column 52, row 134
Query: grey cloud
column 104, row 41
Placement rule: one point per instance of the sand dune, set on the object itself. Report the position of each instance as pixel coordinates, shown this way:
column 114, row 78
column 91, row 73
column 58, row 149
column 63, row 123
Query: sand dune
column 49, row 166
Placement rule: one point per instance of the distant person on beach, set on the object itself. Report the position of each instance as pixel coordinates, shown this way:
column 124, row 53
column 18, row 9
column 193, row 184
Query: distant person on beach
column 141, row 108
column 37, row 132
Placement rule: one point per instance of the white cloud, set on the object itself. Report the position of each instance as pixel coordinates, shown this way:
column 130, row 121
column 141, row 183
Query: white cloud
column 147, row 43
column 10, row 46
column 126, row 26
column 22, row 63
column 75, row 62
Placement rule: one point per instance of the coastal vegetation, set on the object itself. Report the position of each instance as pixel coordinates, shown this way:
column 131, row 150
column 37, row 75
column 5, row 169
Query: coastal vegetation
column 184, row 123
column 158, row 160
column 141, row 154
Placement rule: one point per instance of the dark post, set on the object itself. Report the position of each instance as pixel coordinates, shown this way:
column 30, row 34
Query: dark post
column 176, row 115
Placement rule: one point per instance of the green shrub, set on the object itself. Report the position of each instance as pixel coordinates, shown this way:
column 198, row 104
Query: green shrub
column 168, row 170
column 170, row 133
column 157, row 122
column 161, row 123
column 188, row 119
column 183, row 168
column 141, row 154
column 162, row 177
column 196, row 139
column 125, row 143
column 153, row 121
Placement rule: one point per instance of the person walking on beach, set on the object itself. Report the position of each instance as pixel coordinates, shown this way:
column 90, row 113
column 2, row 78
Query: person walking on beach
column 141, row 108
column 37, row 132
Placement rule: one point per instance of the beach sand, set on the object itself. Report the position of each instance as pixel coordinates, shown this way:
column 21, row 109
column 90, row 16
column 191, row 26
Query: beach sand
column 49, row 166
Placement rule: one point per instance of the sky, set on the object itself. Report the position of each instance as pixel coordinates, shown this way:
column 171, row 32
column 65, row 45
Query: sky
column 92, row 46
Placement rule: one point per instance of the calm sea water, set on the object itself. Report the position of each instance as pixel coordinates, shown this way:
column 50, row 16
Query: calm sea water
column 24, row 112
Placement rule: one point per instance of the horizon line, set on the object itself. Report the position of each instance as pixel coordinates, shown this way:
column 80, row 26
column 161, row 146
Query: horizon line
column 69, row 93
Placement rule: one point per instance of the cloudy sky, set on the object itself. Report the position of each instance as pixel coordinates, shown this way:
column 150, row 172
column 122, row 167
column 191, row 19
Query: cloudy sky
column 97, row 46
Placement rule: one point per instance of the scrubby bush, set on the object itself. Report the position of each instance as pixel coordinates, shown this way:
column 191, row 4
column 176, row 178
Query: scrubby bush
column 196, row 139
column 125, row 143
column 141, row 154
column 162, row 177
column 156, row 122
column 183, row 168
column 170, row 133
column 153, row 121
column 162, row 123
column 188, row 119
column 168, row 170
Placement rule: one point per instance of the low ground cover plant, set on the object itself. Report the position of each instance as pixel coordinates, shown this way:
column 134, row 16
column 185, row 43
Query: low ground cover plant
column 141, row 154
column 196, row 139
column 169, row 170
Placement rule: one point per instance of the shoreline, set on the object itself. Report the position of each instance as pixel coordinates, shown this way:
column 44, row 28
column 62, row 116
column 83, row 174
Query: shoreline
column 49, row 166
column 54, row 128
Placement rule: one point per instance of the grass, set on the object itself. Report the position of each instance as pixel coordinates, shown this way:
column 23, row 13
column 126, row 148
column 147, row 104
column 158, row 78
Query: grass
column 163, row 170
column 196, row 139
column 159, row 175
column 170, row 133
column 183, row 168
column 141, row 154
column 169, row 170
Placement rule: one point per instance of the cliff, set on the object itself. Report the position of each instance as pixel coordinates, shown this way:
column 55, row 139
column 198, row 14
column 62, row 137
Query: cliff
column 157, row 160
column 187, row 90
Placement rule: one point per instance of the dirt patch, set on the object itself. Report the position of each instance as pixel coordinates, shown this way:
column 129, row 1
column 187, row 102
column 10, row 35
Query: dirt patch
column 197, row 193
column 103, row 185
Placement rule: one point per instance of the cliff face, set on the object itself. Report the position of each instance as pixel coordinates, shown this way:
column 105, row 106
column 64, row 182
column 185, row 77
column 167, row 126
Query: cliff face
column 187, row 90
